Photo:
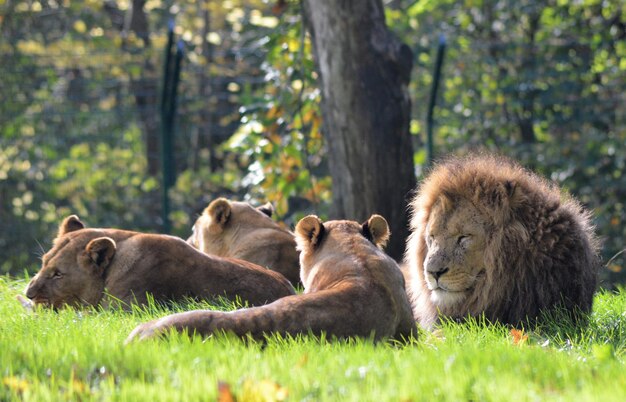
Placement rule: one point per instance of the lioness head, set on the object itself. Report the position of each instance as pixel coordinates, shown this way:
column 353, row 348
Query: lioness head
column 237, row 230
column 72, row 271
column 224, row 218
column 335, row 239
column 311, row 231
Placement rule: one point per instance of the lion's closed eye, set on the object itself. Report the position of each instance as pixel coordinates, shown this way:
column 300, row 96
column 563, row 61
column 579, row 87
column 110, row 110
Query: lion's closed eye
column 463, row 240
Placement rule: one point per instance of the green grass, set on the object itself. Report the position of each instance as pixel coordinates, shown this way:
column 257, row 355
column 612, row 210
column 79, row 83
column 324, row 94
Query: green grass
column 73, row 355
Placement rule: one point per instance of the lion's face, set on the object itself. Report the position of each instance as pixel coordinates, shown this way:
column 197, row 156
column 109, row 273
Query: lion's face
column 72, row 271
column 454, row 264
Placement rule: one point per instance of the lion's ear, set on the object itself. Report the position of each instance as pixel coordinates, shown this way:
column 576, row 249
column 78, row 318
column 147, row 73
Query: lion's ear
column 309, row 231
column 507, row 194
column 70, row 224
column 446, row 200
column 100, row 252
column 376, row 230
column 219, row 211
column 267, row 209
column 510, row 186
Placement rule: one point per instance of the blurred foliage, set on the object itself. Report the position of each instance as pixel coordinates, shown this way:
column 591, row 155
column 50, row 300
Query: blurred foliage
column 275, row 152
column 279, row 138
column 80, row 109
column 543, row 82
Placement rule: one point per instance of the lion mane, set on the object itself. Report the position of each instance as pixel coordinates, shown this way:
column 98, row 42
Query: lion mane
column 490, row 237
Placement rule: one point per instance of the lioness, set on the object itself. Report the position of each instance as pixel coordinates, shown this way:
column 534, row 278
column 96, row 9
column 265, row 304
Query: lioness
column 104, row 266
column 489, row 237
column 352, row 288
column 238, row 230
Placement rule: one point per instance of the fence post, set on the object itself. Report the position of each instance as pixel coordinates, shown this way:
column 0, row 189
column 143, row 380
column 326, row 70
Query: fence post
column 433, row 100
column 169, row 168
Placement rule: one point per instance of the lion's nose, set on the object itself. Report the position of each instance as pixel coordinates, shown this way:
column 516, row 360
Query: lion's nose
column 439, row 273
column 32, row 289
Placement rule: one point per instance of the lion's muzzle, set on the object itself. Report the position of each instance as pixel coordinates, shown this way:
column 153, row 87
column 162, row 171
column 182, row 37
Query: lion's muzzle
column 33, row 288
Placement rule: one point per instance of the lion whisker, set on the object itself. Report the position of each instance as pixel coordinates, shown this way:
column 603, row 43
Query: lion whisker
column 614, row 257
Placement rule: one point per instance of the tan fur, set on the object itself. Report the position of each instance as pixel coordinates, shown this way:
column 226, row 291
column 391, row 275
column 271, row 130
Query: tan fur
column 352, row 288
column 237, row 230
column 489, row 237
column 103, row 266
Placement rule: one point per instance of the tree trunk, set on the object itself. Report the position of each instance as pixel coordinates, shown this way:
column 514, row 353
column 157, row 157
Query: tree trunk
column 364, row 72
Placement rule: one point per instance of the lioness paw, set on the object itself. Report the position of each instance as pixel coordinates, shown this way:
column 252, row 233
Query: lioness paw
column 27, row 304
column 147, row 330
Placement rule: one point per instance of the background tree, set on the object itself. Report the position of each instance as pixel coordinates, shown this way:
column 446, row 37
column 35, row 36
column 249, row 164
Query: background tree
column 364, row 72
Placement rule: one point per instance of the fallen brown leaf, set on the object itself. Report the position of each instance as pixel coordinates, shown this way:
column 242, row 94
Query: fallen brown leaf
column 224, row 394
column 519, row 337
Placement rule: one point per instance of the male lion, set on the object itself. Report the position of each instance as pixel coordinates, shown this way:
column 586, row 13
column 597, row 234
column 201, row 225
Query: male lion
column 352, row 288
column 237, row 230
column 105, row 266
column 490, row 237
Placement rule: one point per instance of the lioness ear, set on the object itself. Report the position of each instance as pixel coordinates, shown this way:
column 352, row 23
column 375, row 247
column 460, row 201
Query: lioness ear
column 219, row 211
column 70, row 224
column 100, row 252
column 267, row 209
column 309, row 231
column 376, row 230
